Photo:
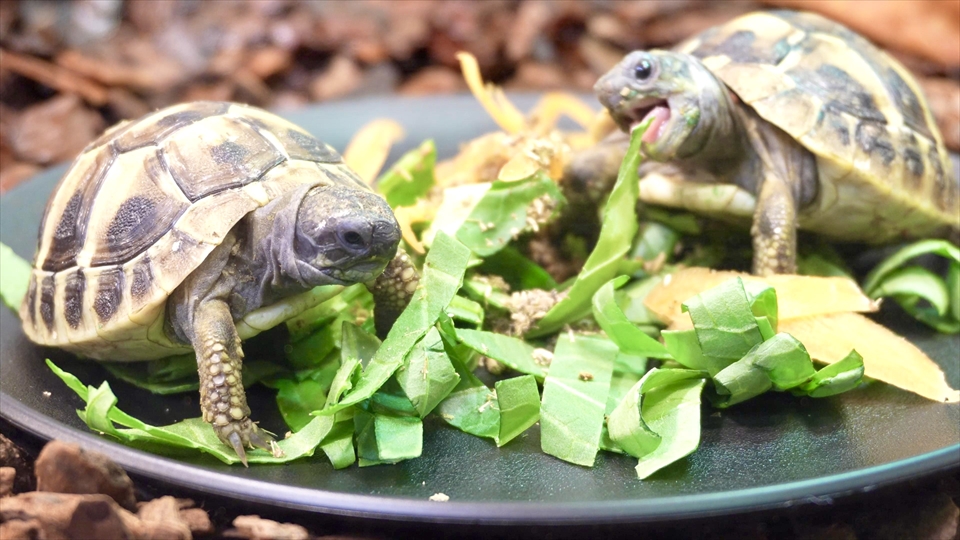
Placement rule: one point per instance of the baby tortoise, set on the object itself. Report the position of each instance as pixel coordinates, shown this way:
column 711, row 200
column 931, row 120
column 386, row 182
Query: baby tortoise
column 786, row 118
column 198, row 226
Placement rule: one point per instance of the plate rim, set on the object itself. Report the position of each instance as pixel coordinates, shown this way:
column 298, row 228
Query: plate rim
column 815, row 491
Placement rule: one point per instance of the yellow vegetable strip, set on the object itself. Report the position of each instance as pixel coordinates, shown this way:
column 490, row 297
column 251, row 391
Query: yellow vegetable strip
column 369, row 148
column 887, row 357
column 555, row 104
column 502, row 111
column 797, row 296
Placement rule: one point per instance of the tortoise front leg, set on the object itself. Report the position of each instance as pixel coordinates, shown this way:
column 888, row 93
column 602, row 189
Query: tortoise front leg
column 774, row 230
column 220, row 362
column 392, row 291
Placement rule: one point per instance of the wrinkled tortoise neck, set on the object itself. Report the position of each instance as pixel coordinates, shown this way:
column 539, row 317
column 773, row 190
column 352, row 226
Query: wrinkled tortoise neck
column 718, row 143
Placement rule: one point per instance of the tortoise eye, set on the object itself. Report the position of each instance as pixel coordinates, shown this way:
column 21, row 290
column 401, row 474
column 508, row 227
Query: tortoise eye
column 643, row 70
column 353, row 238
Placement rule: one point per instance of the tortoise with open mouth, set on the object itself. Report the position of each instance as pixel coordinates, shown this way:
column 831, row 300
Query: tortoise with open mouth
column 790, row 120
column 200, row 225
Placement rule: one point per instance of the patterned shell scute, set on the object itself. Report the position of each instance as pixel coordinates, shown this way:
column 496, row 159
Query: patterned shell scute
column 845, row 100
column 143, row 206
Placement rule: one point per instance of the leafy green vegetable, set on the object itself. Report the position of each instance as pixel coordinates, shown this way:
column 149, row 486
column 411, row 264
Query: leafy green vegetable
column 685, row 348
column 673, row 412
column 781, row 362
column 102, row 415
column 427, row 376
column 723, row 320
column 628, row 337
column 382, row 438
column 411, row 177
column 517, row 270
column 466, row 310
column 617, row 230
column 296, row 399
column 340, row 302
column 627, row 370
column 908, row 285
column 835, row 378
column 519, row 401
column 471, row 406
column 442, row 275
column 338, row 444
column 627, row 425
column 513, row 352
column 502, row 213
column 16, row 277
column 574, row 398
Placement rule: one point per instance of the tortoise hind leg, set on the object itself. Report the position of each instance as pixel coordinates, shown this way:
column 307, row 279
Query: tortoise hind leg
column 219, row 363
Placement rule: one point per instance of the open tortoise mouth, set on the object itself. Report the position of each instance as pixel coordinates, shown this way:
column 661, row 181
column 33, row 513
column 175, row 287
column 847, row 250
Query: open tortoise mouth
column 655, row 109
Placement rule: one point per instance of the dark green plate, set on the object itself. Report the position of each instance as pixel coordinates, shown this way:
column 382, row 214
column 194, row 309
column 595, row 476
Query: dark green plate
column 775, row 451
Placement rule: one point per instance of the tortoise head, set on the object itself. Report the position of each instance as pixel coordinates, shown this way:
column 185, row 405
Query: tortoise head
column 675, row 90
column 345, row 233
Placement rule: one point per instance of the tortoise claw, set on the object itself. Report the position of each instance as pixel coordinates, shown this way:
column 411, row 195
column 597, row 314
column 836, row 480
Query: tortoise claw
column 237, row 444
column 258, row 440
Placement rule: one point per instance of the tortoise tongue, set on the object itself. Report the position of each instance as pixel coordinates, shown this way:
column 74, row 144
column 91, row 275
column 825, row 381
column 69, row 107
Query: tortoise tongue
column 660, row 115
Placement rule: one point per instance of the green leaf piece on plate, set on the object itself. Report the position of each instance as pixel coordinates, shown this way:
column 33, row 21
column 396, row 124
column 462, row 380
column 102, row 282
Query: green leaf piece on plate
column 780, row 362
column 338, row 444
column 673, row 412
column 617, row 230
column 513, row 352
column 519, row 400
column 411, row 177
column 442, row 276
column 627, row 424
column 835, row 378
column 501, row 214
column 611, row 319
column 427, row 376
column 382, row 438
column 102, row 414
column 723, row 320
column 517, row 270
column 16, row 277
column 471, row 407
column 575, row 396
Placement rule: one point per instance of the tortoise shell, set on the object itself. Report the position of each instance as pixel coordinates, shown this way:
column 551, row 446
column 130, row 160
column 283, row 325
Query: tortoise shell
column 884, row 171
column 143, row 206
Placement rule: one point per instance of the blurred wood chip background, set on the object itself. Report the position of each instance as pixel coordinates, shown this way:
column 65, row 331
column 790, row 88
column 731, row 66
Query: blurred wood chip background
column 70, row 69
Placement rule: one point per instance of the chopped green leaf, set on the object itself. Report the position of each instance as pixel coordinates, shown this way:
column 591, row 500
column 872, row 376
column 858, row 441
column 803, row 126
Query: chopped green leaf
column 502, row 214
column 763, row 302
column 101, row 414
column 685, row 348
column 297, row 399
column 942, row 248
column 382, row 438
column 519, row 401
column 511, row 351
column 471, row 406
column 16, row 277
column 466, row 310
column 411, row 177
column 780, row 362
column 723, row 320
column 617, row 230
column 427, row 376
column 673, row 412
column 835, row 378
column 611, row 319
column 338, row 444
column 517, row 270
column 626, row 423
column 442, row 276
column 574, row 398
column 338, row 302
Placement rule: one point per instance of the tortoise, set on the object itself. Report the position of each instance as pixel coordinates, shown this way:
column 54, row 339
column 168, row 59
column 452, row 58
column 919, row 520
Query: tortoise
column 786, row 119
column 200, row 225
